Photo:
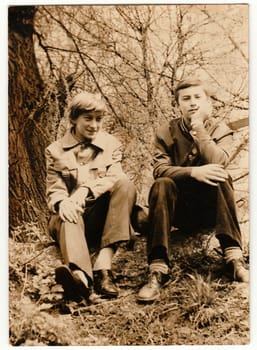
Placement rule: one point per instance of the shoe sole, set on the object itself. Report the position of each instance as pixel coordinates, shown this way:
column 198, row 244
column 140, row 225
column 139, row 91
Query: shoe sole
column 106, row 295
column 150, row 300
column 64, row 277
column 72, row 287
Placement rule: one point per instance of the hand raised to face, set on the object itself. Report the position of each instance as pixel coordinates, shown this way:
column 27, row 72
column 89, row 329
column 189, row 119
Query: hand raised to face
column 199, row 116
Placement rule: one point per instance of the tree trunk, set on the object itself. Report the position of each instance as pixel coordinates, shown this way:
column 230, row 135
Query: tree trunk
column 27, row 123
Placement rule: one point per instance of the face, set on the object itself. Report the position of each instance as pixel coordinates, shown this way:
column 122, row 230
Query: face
column 194, row 102
column 88, row 124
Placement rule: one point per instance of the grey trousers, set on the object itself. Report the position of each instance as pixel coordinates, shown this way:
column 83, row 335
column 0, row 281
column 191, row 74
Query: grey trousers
column 105, row 221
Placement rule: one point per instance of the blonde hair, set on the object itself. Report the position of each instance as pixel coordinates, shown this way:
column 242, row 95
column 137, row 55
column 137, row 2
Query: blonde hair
column 86, row 102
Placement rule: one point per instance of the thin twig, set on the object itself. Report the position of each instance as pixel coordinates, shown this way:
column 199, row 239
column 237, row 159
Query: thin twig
column 174, row 307
column 81, row 317
column 25, row 282
column 243, row 221
column 89, row 307
column 241, row 176
column 36, row 256
column 238, row 148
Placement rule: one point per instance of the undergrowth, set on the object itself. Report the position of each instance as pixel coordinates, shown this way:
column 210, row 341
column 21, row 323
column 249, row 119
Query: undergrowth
column 199, row 306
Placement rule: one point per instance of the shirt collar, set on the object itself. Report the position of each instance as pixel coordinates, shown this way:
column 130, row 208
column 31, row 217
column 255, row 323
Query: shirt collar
column 69, row 140
column 183, row 126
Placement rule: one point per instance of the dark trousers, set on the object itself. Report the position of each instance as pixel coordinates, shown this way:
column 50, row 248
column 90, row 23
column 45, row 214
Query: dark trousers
column 106, row 221
column 189, row 205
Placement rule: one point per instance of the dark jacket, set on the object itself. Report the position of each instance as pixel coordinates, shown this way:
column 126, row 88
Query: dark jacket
column 177, row 150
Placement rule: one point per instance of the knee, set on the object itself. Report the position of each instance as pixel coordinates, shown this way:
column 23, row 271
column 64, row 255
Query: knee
column 164, row 182
column 57, row 226
column 164, row 187
column 124, row 185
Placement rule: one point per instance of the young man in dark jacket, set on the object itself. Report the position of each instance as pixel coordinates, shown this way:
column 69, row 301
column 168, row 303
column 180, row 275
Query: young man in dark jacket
column 192, row 189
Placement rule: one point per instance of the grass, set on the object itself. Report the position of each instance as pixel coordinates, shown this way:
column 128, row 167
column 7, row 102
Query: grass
column 202, row 299
column 199, row 306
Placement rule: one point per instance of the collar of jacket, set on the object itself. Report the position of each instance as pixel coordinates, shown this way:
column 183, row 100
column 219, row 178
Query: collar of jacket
column 69, row 141
column 184, row 128
column 209, row 124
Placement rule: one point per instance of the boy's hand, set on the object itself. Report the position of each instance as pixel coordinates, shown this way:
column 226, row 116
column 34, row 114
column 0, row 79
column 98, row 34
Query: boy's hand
column 197, row 120
column 69, row 210
column 79, row 196
column 210, row 174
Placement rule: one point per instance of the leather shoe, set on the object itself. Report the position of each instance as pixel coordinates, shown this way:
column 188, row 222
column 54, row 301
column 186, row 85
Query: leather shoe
column 240, row 273
column 74, row 283
column 151, row 291
column 104, row 283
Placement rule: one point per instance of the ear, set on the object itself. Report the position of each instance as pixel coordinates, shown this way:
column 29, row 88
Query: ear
column 73, row 122
column 209, row 107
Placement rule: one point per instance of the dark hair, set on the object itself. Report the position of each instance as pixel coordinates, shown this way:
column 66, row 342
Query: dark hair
column 86, row 102
column 184, row 84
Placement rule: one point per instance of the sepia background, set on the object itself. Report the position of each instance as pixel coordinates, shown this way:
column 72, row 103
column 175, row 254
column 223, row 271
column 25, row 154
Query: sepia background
column 132, row 55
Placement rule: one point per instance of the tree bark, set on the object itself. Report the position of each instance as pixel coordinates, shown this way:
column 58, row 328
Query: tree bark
column 27, row 122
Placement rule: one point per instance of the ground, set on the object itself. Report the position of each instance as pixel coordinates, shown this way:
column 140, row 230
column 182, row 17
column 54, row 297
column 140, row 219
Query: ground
column 201, row 305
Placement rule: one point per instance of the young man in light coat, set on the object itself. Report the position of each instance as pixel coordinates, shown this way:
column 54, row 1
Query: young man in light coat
column 90, row 199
